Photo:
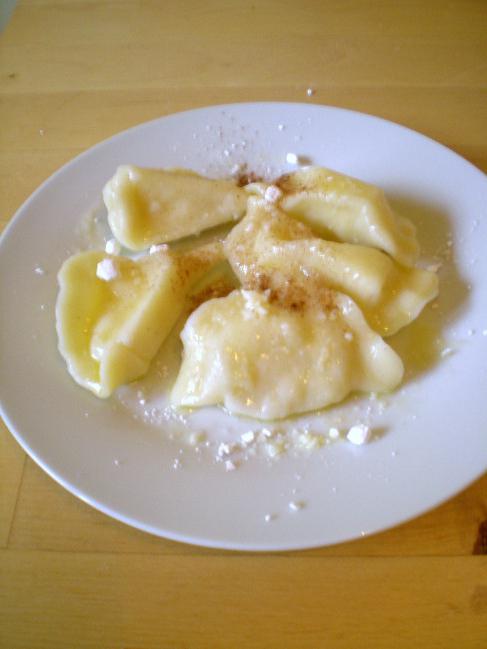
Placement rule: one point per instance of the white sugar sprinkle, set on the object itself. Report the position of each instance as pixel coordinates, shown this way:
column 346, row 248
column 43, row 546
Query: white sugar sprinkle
column 106, row 270
column 292, row 158
column 272, row 194
column 359, row 434
column 296, row 505
column 160, row 247
column 310, row 92
column 230, row 466
column 224, row 449
column 272, row 450
column 248, row 437
column 112, row 247
column 39, row 270
column 334, row 433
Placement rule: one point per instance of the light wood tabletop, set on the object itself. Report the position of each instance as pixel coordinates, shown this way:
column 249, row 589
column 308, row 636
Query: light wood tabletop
column 74, row 72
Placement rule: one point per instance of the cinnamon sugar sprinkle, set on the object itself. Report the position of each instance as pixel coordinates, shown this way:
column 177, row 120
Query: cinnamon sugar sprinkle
column 247, row 177
column 287, row 182
column 199, row 259
column 290, row 293
column 219, row 288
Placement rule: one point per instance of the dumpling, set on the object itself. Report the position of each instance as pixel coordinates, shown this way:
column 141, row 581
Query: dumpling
column 150, row 206
column 113, row 313
column 266, row 361
column 270, row 250
column 339, row 207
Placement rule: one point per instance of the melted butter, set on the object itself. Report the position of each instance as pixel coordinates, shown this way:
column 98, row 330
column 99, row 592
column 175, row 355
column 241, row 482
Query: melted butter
column 420, row 345
column 329, row 202
column 322, row 365
column 127, row 317
column 299, row 268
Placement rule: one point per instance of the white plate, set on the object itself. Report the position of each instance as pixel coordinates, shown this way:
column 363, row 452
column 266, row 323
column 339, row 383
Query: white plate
column 437, row 443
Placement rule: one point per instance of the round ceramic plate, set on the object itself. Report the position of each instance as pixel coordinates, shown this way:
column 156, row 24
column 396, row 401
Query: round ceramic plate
column 435, row 440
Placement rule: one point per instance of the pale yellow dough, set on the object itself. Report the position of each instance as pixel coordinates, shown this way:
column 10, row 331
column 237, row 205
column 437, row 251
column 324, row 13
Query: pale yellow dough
column 269, row 249
column 151, row 206
column 323, row 268
column 345, row 209
column 109, row 331
column 265, row 361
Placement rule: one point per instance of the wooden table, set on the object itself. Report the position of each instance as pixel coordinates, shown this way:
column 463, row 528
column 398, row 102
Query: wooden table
column 75, row 72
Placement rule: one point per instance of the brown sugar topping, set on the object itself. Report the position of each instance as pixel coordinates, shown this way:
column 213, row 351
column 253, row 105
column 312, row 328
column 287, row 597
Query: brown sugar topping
column 247, row 177
column 288, row 187
column 219, row 288
column 198, row 260
column 290, row 293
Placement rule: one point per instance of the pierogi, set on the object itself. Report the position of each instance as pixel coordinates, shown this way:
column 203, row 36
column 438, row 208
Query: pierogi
column 113, row 313
column 269, row 249
column 348, row 210
column 152, row 206
column 323, row 270
column 262, row 360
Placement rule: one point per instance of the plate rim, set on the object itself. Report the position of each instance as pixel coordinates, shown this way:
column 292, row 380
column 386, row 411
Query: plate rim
column 107, row 140
column 157, row 531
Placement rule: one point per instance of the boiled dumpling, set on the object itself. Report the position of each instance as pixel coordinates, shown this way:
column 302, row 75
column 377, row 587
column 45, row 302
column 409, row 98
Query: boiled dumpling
column 113, row 313
column 270, row 250
column 264, row 360
column 345, row 209
column 150, row 206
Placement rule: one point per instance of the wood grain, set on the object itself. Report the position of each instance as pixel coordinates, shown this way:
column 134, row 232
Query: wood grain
column 12, row 460
column 73, row 72
column 152, row 45
column 41, row 133
column 150, row 602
